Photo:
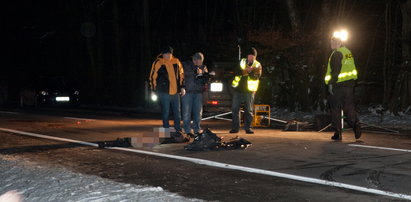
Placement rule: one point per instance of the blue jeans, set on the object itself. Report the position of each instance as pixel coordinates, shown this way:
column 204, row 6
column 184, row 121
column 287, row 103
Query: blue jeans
column 192, row 110
column 238, row 98
column 165, row 101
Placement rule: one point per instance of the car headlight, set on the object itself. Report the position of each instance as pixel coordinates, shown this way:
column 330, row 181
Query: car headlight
column 44, row 92
column 216, row 87
column 76, row 92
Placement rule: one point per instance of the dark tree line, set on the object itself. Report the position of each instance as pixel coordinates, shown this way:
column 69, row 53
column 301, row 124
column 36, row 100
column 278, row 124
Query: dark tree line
column 109, row 45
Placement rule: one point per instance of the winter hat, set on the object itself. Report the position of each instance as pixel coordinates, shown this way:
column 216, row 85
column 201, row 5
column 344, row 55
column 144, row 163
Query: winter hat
column 167, row 49
column 198, row 56
column 252, row 51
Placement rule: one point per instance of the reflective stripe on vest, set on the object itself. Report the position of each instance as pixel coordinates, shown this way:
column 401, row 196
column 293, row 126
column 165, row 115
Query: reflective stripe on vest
column 348, row 69
column 252, row 85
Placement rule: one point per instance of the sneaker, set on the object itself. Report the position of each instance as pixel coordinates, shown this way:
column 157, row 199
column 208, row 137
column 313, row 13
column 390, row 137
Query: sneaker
column 234, row 131
column 249, row 131
column 337, row 136
column 357, row 130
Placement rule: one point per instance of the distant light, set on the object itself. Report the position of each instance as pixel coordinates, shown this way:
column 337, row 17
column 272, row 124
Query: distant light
column 214, row 102
column 76, row 92
column 216, row 87
column 154, row 97
column 341, row 34
column 43, row 92
column 62, row 99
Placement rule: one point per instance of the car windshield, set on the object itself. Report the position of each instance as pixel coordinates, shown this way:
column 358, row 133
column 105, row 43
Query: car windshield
column 54, row 83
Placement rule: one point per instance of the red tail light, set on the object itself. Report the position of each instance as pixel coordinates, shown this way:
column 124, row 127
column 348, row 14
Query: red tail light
column 213, row 102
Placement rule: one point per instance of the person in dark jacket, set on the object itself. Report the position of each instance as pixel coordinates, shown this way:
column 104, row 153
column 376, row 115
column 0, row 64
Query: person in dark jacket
column 195, row 81
column 167, row 79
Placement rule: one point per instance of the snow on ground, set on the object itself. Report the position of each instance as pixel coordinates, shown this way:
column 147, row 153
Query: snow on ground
column 41, row 183
column 374, row 115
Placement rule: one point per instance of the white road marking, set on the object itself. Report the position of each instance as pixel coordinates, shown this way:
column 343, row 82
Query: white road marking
column 75, row 118
column 228, row 166
column 48, row 137
column 376, row 147
column 6, row 112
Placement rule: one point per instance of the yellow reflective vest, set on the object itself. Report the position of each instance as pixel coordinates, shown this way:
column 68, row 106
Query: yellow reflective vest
column 348, row 69
column 252, row 84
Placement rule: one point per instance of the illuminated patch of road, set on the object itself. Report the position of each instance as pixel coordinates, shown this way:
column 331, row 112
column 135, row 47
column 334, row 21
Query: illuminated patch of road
column 228, row 166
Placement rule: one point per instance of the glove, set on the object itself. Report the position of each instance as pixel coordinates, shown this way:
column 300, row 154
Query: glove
column 183, row 92
column 330, row 89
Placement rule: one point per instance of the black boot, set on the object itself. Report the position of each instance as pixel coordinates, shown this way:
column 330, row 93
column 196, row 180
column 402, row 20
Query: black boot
column 337, row 136
column 357, row 130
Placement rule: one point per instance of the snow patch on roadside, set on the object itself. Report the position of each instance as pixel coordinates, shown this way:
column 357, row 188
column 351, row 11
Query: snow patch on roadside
column 374, row 115
column 40, row 183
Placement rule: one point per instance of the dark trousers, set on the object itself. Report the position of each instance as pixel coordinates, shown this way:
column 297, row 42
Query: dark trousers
column 343, row 98
column 248, row 99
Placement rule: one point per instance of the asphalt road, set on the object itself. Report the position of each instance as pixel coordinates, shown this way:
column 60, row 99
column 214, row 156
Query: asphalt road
column 299, row 154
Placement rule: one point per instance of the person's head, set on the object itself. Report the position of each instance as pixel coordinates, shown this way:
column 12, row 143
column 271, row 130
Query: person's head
column 167, row 52
column 198, row 59
column 251, row 54
column 335, row 43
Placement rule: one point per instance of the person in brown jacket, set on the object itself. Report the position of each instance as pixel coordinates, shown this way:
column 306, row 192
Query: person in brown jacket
column 167, row 79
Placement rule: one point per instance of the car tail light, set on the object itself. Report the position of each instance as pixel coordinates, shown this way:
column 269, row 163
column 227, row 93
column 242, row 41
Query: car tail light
column 213, row 102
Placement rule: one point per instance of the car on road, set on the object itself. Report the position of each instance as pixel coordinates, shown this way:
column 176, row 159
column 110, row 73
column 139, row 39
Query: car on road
column 49, row 91
column 217, row 98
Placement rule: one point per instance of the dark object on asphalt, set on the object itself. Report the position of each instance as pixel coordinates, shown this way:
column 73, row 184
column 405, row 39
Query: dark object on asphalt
column 209, row 140
column 236, row 143
column 294, row 125
column 204, row 141
column 119, row 142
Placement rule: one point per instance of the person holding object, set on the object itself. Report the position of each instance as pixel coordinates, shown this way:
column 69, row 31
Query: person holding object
column 195, row 78
column 245, row 86
column 167, row 79
column 340, row 78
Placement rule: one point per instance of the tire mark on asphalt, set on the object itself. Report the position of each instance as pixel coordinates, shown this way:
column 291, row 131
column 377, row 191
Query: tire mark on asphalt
column 328, row 174
column 373, row 179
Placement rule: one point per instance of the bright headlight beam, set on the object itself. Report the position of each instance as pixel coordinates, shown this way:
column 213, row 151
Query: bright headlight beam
column 216, row 87
column 341, row 34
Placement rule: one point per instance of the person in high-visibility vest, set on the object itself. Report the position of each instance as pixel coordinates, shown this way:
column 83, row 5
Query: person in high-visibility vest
column 245, row 86
column 340, row 78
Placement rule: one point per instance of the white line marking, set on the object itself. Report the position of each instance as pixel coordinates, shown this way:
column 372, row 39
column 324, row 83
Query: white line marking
column 6, row 112
column 48, row 137
column 383, row 148
column 228, row 166
column 75, row 118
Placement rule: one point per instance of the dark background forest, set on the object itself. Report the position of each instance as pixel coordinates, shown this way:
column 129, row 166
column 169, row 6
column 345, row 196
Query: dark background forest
column 107, row 46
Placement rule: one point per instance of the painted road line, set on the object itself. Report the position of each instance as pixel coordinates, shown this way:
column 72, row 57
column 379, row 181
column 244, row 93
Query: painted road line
column 6, row 112
column 76, row 118
column 376, row 147
column 48, row 137
column 229, row 166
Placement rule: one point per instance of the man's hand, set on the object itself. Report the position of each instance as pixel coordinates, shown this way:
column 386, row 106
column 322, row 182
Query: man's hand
column 330, row 89
column 249, row 69
column 199, row 71
column 183, row 92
